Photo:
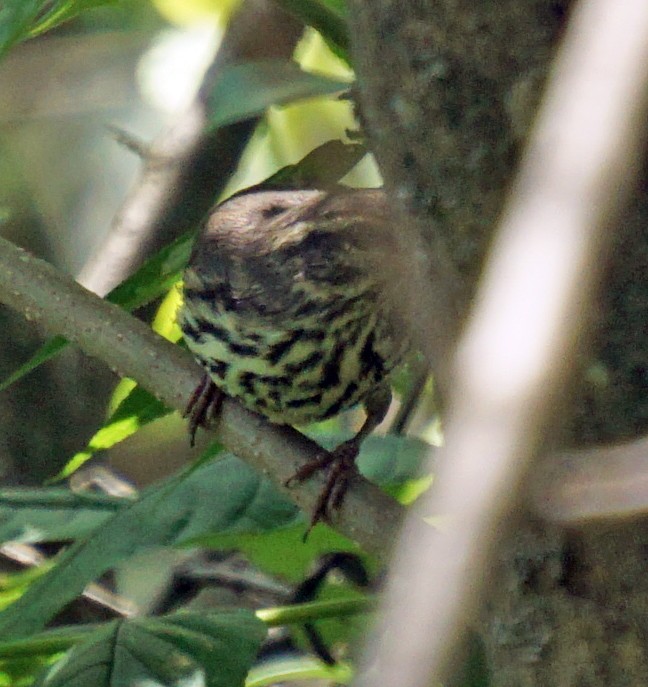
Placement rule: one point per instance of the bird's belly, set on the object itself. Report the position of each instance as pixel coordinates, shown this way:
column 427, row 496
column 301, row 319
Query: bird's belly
column 291, row 375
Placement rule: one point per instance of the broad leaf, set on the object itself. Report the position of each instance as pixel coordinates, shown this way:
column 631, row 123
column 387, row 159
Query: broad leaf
column 391, row 462
column 283, row 551
column 211, row 649
column 394, row 464
column 218, row 496
column 137, row 409
column 246, row 90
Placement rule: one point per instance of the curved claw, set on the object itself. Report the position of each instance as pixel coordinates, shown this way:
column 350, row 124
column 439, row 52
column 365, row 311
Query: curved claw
column 341, row 469
column 204, row 404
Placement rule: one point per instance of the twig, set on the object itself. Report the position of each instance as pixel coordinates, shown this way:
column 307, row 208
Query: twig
column 130, row 348
column 521, row 342
column 129, row 141
column 601, row 483
column 187, row 166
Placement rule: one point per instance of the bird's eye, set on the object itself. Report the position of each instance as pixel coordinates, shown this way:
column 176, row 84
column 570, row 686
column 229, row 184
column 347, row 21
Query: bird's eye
column 272, row 211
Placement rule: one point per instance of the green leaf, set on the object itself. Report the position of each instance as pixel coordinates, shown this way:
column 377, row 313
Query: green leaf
column 61, row 11
column 394, row 463
column 20, row 672
column 155, row 277
column 391, row 460
column 136, row 410
column 47, row 351
column 40, row 515
column 327, row 17
column 283, row 551
column 292, row 670
column 16, row 16
column 22, row 19
column 132, row 407
column 323, row 166
column 219, row 496
column 246, row 90
column 212, row 649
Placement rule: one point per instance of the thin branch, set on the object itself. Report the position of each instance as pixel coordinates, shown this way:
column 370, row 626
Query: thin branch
column 188, row 165
column 601, row 483
column 130, row 348
column 514, row 361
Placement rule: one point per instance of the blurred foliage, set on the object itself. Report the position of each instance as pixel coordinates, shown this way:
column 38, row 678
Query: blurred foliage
column 187, row 12
column 328, row 17
column 21, row 20
column 298, row 669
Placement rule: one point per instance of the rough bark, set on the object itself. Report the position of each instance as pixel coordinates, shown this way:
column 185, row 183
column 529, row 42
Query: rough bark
column 448, row 91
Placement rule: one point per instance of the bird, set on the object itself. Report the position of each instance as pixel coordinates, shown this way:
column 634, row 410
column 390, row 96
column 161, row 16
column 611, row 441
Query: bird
column 292, row 304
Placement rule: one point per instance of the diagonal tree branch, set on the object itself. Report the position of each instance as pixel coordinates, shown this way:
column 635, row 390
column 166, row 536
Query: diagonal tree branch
column 61, row 306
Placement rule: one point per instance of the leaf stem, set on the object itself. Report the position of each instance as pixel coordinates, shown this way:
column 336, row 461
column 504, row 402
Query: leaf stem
column 62, row 639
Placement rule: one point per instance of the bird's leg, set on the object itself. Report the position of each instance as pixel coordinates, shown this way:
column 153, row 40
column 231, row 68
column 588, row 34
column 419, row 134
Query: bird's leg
column 341, row 461
column 203, row 406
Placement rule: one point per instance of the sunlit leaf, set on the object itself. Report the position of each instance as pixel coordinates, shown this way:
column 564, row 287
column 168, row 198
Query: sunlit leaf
column 328, row 17
column 135, row 406
column 136, row 410
column 283, row 551
column 155, row 277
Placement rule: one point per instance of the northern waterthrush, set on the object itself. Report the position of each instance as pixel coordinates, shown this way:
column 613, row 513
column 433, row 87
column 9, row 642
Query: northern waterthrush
column 291, row 306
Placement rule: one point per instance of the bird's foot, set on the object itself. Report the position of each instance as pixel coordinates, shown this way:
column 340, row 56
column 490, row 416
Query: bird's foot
column 203, row 406
column 341, row 468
